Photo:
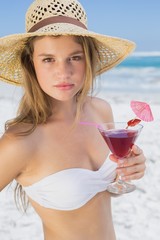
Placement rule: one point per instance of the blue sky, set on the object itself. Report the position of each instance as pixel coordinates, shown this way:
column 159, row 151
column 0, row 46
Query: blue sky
column 137, row 20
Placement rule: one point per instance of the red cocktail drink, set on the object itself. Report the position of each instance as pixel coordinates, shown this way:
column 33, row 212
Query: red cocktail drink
column 120, row 141
column 120, row 137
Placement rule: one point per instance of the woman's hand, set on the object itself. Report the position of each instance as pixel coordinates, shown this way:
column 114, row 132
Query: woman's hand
column 133, row 166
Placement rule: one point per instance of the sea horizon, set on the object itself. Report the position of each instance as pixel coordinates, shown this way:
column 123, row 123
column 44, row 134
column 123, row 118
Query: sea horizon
column 145, row 53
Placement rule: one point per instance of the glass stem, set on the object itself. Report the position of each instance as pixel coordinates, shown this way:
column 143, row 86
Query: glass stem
column 119, row 178
column 120, row 181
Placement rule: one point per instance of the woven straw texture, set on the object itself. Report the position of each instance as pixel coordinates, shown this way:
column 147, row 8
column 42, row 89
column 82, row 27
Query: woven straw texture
column 112, row 50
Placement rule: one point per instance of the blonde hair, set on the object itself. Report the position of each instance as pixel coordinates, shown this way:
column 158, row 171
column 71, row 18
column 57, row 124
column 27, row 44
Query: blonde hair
column 37, row 112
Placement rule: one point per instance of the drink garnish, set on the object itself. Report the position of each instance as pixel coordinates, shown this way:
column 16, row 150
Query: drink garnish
column 133, row 122
column 142, row 110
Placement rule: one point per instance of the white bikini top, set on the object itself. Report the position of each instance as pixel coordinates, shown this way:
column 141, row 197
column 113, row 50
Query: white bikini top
column 72, row 188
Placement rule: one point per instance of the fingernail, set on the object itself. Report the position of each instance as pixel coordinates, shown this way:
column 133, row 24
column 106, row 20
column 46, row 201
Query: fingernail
column 123, row 178
column 120, row 173
column 121, row 162
column 136, row 148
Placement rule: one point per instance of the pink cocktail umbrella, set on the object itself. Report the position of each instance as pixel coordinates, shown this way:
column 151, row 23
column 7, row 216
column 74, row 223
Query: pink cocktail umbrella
column 142, row 110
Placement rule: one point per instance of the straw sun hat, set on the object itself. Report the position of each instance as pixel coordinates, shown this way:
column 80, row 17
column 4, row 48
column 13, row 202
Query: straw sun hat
column 56, row 17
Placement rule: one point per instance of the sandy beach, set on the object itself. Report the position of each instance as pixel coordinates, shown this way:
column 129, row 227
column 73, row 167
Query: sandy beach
column 136, row 215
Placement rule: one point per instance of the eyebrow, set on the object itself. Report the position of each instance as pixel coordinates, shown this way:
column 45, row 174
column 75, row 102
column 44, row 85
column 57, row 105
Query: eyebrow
column 52, row 55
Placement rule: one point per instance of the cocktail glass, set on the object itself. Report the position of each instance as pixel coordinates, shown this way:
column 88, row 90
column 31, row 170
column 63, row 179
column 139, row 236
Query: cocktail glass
column 120, row 139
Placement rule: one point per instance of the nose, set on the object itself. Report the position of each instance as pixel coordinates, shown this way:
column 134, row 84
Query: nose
column 63, row 70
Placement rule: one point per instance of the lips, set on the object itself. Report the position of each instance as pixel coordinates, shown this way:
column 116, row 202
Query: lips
column 64, row 86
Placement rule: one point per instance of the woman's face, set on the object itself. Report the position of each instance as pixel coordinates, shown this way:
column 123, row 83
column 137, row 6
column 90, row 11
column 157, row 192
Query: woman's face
column 60, row 66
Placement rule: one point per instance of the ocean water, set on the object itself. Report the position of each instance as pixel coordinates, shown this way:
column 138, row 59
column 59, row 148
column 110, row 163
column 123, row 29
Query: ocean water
column 139, row 73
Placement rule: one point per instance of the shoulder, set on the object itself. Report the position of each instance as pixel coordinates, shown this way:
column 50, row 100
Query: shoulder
column 15, row 152
column 100, row 109
column 15, row 139
column 99, row 103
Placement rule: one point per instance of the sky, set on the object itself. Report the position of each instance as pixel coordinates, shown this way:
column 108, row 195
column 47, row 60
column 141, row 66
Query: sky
column 136, row 20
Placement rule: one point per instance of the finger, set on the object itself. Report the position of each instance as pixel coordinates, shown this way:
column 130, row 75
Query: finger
column 134, row 176
column 113, row 158
column 139, row 159
column 133, row 160
column 136, row 150
column 135, row 169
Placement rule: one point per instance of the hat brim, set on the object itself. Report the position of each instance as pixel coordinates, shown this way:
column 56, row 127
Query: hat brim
column 112, row 50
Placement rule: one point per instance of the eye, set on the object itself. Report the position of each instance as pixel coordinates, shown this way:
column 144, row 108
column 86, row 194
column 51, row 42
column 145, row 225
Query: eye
column 48, row 60
column 76, row 58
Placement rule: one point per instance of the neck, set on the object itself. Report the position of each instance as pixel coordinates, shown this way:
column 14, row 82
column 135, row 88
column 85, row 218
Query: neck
column 65, row 111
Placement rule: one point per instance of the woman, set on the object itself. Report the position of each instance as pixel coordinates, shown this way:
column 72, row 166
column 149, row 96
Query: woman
column 60, row 164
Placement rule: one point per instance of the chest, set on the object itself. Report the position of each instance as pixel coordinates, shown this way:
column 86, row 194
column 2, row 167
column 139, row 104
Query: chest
column 61, row 149
column 72, row 146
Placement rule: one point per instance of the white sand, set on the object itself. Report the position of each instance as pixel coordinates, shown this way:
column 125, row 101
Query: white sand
column 136, row 215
